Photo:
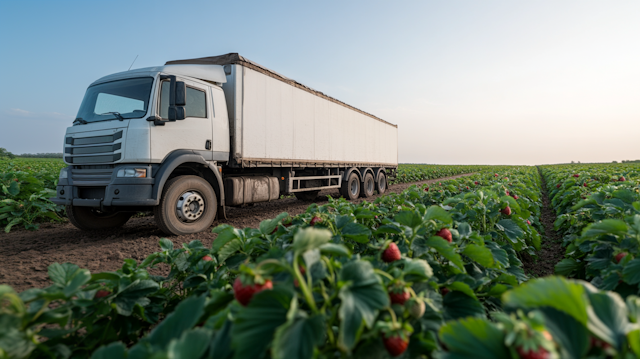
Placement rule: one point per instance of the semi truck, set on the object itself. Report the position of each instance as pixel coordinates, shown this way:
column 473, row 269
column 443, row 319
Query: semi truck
column 190, row 138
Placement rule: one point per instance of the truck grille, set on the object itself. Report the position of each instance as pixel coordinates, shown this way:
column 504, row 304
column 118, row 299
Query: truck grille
column 93, row 150
column 91, row 176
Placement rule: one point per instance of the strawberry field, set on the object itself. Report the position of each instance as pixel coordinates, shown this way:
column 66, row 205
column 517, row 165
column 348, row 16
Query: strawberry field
column 434, row 271
column 417, row 172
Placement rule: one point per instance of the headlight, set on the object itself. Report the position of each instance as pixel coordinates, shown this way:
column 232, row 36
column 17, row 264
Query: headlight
column 63, row 173
column 132, row 172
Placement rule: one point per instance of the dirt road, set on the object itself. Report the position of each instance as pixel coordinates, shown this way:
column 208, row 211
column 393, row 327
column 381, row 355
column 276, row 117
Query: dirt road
column 25, row 255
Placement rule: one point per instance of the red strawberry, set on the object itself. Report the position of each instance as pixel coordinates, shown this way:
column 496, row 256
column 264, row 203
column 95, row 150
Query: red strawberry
column 102, row 293
column 622, row 179
column 395, row 344
column 439, row 183
column 528, row 222
column 620, row 255
column 426, row 189
column 302, row 270
column 207, row 258
column 495, row 174
column 576, row 175
column 507, row 178
column 392, row 253
column 506, row 210
column 445, row 234
column 515, row 196
column 287, row 224
column 598, row 343
column 540, row 353
column 584, row 184
column 244, row 293
column 467, row 187
column 476, row 182
column 444, row 291
column 315, row 220
column 399, row 298
column 558, row 185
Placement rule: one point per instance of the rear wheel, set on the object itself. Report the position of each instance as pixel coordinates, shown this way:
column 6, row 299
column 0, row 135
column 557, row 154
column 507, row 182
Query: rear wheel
column 381, row 183
column 188, row 205
column 351, row 187
column 368, row 185
column 307, row 196
column 91, row 219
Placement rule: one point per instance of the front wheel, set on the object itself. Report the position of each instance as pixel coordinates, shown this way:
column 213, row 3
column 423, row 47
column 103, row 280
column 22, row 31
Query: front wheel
column 91, row 219
column 351, row 187
column 188, row 205
column 381, row 183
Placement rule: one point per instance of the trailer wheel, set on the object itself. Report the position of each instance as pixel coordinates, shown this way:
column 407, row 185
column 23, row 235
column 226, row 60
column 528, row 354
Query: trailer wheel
column 381, row 183
column 307, row 196
column 188, row 205
column 91, row 219
column 368, row 186
column 351, row 188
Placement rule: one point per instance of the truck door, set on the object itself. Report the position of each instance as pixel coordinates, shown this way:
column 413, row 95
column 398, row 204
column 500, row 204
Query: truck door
column 192, row 133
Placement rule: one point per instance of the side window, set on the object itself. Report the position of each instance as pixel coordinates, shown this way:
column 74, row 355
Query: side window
column 196, row 102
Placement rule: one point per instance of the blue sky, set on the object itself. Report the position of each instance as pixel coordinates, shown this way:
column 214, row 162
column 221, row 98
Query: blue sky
column 496, row 82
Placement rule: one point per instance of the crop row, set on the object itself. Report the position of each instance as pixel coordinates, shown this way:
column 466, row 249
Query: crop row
column 598, row 214
column 420, row 172
column 433, row 271
column 25, row 188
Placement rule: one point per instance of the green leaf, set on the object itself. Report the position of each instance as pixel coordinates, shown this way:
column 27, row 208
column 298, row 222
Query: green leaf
column 362, row 297
column 166, row 244
column 268, row 225
column 419, row 246
column 356, row 232
column 446, row 250
column 608, row 226
column 631, row 272
column 511, row 229
column 480, row 254
column 568, row 332
column 310, row 238
column 499, row 255
column 184, row 317
column 388, row 228
column 80, row 278
column 473, row 338
column 111, row 351
column 14, row 188
column 192, row 344
column 299, row 337
column 610, row 322
column 225, row 235
column 634, row 341
column 555, row 292
column 228, row 249
column 567, row 266
column 464, row 229
column 256, row 324
column 417, row 269
column 135, row 293
column 335, row 250
column 410, row 219
column 437, row 212
column 464, row 288
column 62, row 273
column 625, row 195
column 458, row 305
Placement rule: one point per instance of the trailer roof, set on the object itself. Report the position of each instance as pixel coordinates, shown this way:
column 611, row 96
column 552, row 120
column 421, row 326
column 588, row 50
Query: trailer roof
column 234, row 58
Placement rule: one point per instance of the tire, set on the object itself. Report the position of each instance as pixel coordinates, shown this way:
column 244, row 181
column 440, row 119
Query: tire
column 188, row 205
column 381, row 183
column 307, row 196
column 368, row 186
column 91, row 219
column 350, row 188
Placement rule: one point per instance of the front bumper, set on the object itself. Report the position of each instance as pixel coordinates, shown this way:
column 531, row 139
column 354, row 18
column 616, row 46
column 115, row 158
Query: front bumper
column 105, row 191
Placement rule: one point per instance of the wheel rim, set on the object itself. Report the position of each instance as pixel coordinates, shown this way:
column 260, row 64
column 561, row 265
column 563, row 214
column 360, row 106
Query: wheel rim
column 190, row 206
column 382, row 184
column 354, row 187
column 370, row 185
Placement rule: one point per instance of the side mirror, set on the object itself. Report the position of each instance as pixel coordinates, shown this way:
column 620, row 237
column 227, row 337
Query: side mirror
column 177, row 99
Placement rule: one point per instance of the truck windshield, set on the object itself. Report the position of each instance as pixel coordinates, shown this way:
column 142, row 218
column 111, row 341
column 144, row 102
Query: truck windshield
column 116, row 100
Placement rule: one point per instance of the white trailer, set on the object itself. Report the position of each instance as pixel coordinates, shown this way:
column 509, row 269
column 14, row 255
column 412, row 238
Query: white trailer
column 219, row 131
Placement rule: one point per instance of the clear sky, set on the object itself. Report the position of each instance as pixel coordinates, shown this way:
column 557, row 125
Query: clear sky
column 467, row 81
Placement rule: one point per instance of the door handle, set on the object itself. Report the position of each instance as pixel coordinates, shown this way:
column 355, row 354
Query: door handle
column 207, row 145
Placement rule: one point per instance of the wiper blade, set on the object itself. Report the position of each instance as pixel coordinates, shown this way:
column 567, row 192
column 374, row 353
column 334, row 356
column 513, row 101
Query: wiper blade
column 79, row 120
column 116, row 114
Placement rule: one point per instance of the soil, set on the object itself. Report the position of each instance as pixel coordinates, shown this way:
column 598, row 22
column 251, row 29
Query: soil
column 551, row 251
column 26, row 255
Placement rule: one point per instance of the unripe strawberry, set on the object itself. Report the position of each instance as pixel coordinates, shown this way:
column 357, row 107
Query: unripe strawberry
column 244, row 293
column 445, row 234
column 620, row 256
column 392, row 253
column 395, row 344
column 506, row 210
column 416, row 308
column 399, row 298
column 315, row 220
column 102, row 293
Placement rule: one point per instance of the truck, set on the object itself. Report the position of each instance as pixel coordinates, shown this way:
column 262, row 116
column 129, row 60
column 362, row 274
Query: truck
column 190, row 138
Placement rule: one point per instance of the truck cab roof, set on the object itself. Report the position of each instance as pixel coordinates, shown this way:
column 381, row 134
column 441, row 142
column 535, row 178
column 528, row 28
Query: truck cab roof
column 212, row 73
